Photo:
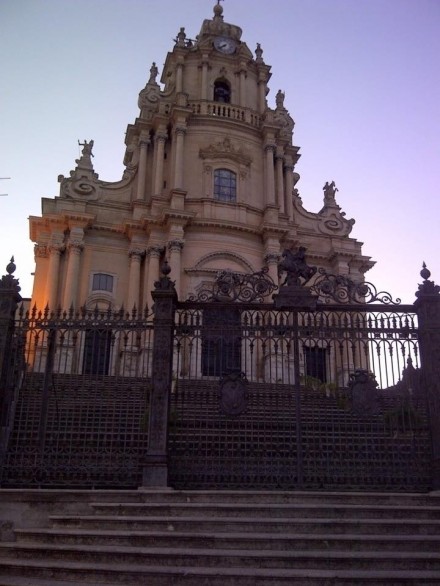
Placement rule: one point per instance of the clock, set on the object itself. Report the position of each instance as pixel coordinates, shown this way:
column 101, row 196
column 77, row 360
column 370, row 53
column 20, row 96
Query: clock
column 225, row 45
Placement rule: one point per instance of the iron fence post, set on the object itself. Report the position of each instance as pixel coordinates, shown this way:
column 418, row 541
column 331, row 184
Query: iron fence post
column 427, row 307
column 155, row 470
column 9, row 299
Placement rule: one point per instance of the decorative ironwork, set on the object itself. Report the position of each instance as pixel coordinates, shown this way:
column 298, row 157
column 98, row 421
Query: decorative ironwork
column 233, row 399
column 343, row 290
column 364, row 395
column 230, row 286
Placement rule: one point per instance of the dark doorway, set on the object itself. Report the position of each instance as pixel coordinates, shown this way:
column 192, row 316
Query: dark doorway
column 97, row 347
column 221, row 341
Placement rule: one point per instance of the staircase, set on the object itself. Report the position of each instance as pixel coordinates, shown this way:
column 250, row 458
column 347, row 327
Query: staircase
column 225, row 538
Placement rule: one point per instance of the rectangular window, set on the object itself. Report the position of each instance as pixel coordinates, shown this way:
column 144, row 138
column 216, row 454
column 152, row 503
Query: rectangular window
column 102, row 282
column 225, row 185
column 316, row 363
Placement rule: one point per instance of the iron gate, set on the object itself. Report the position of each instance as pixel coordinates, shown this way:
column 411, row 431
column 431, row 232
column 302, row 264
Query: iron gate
column 321, row 398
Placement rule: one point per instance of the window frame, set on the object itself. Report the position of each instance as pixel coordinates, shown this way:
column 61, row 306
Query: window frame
column 99, row 288
column 227, row 184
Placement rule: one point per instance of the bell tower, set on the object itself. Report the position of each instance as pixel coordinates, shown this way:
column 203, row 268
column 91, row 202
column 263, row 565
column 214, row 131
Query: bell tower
column 210, row 183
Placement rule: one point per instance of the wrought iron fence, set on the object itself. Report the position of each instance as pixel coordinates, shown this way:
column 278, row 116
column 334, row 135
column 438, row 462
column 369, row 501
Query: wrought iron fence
column 331, row 385
column 79, row 411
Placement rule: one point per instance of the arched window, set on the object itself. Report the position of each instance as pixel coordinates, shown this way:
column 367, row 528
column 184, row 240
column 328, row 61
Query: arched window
column 225, row 185
column 222, row 92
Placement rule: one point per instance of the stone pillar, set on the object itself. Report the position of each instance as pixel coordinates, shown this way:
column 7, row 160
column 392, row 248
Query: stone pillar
column 142, row 170
column 134, row 282
column 279, row 161
column 159, row 140
column 243, row 86
column 179, row 134
column 427, row 307
column 153, row 255
column 271, row 259
column 288, row 186
column 155, row 471
column 204, row 88
column 10, row 356
column 53, row 275
column 179, row 78
column 72, row 276
column 175, row 257
column 270, row 174
column 262, row 95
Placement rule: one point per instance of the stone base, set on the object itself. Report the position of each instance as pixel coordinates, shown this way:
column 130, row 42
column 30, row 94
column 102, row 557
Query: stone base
column 294, row 297
column 155, row 472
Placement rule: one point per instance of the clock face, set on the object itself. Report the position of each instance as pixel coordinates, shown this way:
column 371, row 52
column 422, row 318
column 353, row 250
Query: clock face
column 225, row 45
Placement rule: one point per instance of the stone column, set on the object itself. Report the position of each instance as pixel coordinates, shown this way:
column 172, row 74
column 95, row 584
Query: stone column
column 243, row 86
column 204, row 88
column 179, row 77
column 142, row 170
column 155, row 471
column 134, row 282
column 72, row 276
column 159, row 141
column 279, row 160
column 288, row 186
column 262, row 95
column 270, row 174
column 175, row 257
column 153, row 254
column 53, row 275
column 271, row 259
column 427, row 307
column 179, row 133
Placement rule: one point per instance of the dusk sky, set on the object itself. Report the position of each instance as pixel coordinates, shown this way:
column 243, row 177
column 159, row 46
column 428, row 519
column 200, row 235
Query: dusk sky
column 361, row 79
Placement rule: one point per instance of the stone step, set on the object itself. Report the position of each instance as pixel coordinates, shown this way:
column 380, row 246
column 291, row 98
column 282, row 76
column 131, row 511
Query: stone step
column 58, row 573
column 229, row 540
column 290, row 510
column 144, row 495
column 258, row 524
column 224, row 558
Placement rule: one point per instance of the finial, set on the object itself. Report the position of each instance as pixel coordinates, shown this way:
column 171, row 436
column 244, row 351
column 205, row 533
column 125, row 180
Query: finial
column 11, row 266
column 425, row 273
column 165, row 268
column 218, row 10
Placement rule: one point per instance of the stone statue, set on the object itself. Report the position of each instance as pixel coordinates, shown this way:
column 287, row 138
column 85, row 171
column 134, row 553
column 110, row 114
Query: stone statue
column 153, row 73
column 294, row 264
column 87, row 148
column 330, row 190
column 279, row 99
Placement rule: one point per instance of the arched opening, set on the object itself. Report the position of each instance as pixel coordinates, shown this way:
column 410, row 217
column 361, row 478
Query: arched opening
column 222, row 92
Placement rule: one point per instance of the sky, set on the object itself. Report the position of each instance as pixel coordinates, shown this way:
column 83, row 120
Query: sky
column 361, row 80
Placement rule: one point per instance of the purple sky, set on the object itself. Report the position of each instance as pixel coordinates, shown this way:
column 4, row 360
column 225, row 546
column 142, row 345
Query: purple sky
column 361, row 78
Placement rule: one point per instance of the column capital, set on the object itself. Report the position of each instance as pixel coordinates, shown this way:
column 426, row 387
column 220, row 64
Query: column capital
column 269, row 147
column 180, row 129
column 155, row 251
column 272, row 258
column 160, row 137
column 136, row 251
column 144, row 142
column 75, row 247
column 41, row 251
column 175, row 245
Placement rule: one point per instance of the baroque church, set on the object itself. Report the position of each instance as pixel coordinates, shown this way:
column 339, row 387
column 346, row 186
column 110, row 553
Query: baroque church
column 209, row 184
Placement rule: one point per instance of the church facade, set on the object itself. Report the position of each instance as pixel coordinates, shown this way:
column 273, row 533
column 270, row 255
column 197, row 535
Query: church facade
column 209, row 184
